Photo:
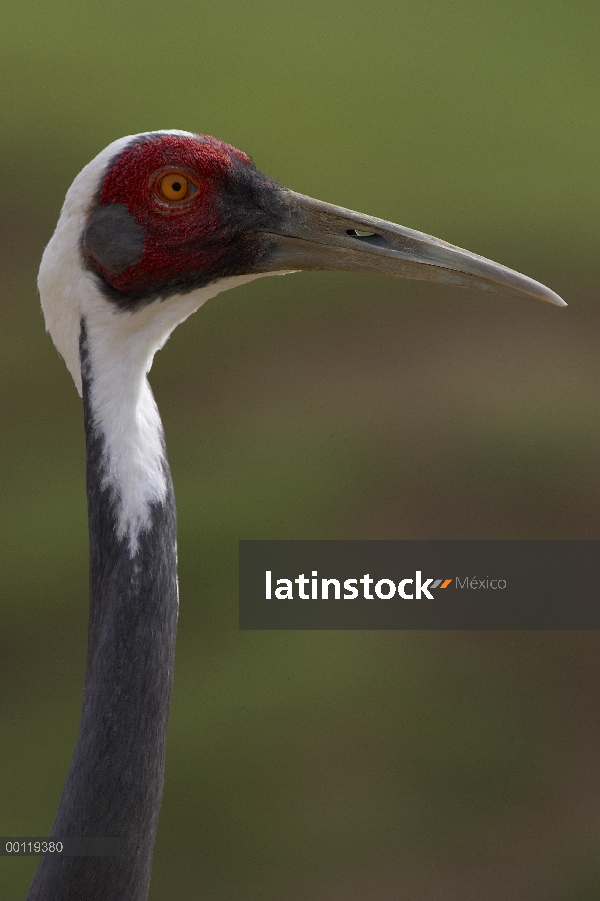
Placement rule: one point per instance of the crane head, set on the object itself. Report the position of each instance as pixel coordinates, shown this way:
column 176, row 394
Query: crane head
column 159, row 222
column 175, row 213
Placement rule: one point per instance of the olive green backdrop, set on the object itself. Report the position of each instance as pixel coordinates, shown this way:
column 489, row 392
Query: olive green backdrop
column 314, row 766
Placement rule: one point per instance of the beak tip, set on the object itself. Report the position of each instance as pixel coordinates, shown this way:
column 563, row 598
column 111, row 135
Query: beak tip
column 555, row 299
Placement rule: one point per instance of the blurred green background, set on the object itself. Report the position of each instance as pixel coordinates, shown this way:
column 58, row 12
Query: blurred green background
column 312, row 766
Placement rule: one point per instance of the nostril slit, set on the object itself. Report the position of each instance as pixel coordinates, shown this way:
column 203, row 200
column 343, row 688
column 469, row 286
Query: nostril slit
column 359, row 233
column 369, row 237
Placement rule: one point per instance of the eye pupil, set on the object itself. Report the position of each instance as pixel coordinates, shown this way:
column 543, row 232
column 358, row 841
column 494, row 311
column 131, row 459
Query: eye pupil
column 176, row 186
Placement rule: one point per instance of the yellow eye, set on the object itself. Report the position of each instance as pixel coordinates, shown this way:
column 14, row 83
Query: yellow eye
column 175, row 186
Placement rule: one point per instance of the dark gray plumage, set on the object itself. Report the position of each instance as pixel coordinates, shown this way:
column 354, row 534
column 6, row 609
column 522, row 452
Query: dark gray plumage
column 113, row 238
column 131, row 648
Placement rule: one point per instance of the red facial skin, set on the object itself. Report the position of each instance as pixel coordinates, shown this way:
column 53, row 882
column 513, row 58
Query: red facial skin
column 178, row 233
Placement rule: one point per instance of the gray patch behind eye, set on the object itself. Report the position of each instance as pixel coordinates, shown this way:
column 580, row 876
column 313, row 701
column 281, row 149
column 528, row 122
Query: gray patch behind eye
column 113, row 238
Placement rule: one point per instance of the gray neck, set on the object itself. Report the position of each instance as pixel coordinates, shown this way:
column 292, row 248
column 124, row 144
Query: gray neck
column 114, row 785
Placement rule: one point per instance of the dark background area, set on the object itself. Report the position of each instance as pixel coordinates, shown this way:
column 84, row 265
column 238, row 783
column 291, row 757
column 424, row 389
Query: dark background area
column 316, row 765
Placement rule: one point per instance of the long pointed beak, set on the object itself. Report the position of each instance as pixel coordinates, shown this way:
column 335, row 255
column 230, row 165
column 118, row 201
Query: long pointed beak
column 317, row 235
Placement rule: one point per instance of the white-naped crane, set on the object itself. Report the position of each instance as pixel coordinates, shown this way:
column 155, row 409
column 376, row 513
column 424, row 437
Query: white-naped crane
column 152, row 228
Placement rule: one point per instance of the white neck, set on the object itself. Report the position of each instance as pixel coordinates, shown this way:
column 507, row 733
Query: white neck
column 121, row 348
